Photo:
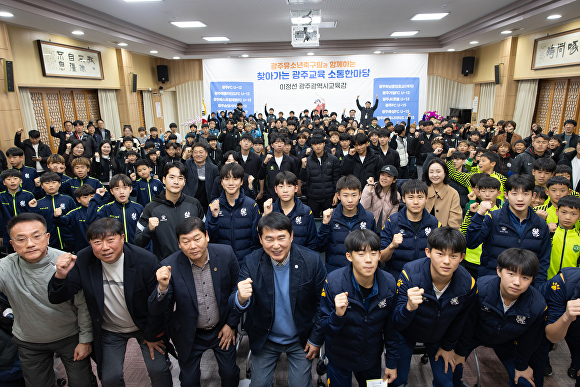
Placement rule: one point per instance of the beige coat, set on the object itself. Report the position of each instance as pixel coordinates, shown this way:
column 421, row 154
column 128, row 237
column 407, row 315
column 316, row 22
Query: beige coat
column 447, row 207
column 502, row 137
column 372, row 203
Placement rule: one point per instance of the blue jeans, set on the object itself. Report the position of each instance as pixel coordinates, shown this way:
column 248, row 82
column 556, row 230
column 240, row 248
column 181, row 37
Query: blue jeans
column 114, row 347
column 440, row 378
column 264, row 365
column 340, row 377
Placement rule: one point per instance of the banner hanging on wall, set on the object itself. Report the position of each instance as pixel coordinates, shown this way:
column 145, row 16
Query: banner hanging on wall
column 321, row 82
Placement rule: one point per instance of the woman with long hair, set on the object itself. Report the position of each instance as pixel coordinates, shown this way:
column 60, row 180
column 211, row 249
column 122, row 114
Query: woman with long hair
column 382, row 198
column 104, row 165
column 442, row 200
column 74, row 151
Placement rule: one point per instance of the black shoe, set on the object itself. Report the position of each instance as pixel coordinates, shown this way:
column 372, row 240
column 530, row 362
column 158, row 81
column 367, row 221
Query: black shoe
column 572, row 373
column 548, row 369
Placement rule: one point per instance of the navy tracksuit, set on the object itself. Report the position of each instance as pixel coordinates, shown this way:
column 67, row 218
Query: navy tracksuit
column 355, row 341
column 28, row 176
column 436, row 323
column 331, row 236
column 61, row 238
column 146, row 190
column 488, row 325
column 127, row 213
column 303, row 224
column 77, row 221
column 69, row 186
column 11, row 206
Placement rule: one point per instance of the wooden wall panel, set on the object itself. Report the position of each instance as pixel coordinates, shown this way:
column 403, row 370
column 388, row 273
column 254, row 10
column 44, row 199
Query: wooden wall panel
column 448, row 65
column 486, row 58
column 558, row 101
column 181, row 71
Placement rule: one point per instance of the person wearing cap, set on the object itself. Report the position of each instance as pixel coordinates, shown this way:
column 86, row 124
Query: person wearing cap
column 382, row 198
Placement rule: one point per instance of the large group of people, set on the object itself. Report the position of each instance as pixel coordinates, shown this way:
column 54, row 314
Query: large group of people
column 317, row 235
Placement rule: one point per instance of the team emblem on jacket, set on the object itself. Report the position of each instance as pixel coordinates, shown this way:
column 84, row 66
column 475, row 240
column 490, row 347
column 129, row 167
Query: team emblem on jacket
column 536, row 232
column 27, row 175
column 22, row 203
column 187, row 214
column 62, row 206
column 576, row 248
column 509, row 165
column 134, row 216
column 401, row 231
column 485, row 308
column 363, row 225
column 521, row 319
column 336, row 226
column 244, row 212
column 298, row 220
column 503, row 229
column 383, row 303
column 427, row 231
column 163, row 218
column 454, row 301
column 155, row 189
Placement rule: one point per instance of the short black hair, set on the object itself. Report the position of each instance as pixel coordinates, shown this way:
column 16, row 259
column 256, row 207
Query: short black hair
column 131, row 153
column 348, row 182
column 569, row 201
column 573, row 122
column 540, row 192
column 103, row 228
column 237, row 157
column 317, row 139
column 413, row 186
column 256, row 140
column 426, row 179
column 34, row 133
column 84, row 190
column 173, row 125
column 489, row 183
column 344, row 137
column 546, row 164
column 360, row 240
column 277, row 137
column 275, row 221
column 25, row 217
column 517, row 182
column 360, row 139
column 519, row 142
column 153, row 129
column 558, row 180
column 447, row 238
column 474, row 179
column 50, row 177
column 199, row 145
column 399, row 129
column 14, row 151
column 563, row 169
column 178, row 165
column 542, row 136
column 519, row 260
column 234, row 169
column 286, row 177
column 458, row 156
column 12, row 172
column 120, row 178
column 247, row 136
column 172, row 136
column 141, row 162
column 493, row 158
column 187, row 225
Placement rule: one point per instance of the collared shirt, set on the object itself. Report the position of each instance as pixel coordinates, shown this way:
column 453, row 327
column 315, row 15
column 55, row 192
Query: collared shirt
column 209, row 315
column 200, row 171
column 283, row 263
column 519, row 225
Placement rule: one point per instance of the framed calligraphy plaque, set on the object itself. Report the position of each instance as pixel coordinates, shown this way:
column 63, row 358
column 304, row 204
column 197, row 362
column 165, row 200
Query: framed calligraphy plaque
column 60, row 60
column 557, row 50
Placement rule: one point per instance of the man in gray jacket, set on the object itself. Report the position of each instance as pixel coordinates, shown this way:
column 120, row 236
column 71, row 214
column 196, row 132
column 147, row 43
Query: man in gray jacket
column 40, row 328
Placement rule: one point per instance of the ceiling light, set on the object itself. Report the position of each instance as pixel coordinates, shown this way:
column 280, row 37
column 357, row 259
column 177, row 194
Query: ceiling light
column 176, row 57
column 78, row 32
column 306, row 20
column 245, row 55
column 6, row 14
column 554, row 17
column 331, row 24
column 474, row 42
column 429, row 16
column 136, row 1
column 404, row 33
column 506, row 32
column 310, row 53
column 450, row 49
column 153, row 52
column 377, row 52
column 216, row 38
column 189, row 24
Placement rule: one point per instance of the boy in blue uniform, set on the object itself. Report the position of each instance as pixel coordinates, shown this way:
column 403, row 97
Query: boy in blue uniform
column 337, row 223
column 288, row 204
column 57, row 165
column 80, row 168
column 15, row 158
column 404, row 236
column 145, row 188
column 60, row 237
column 515, row 224
column 508, row 310
column 435, row 295
column 122, row 208
column 367, row 325
column 13, row 201
column 76, row 219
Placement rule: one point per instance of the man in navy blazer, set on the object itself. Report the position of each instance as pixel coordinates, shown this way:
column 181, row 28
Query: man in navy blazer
column 116, row 279
column 201, row 173
column 280, row 287
column 194, row 297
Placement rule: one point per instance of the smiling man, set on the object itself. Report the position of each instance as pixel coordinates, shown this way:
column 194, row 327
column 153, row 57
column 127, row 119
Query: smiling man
column 200, row 174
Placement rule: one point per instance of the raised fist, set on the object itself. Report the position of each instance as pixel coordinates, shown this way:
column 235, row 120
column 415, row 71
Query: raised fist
column 57, row 212
column 251, row 181
column 371, row 181
column 244, row 291
column 326, row 215
column 397, row 240
column 68, row 146
column 304, row 161
column 32, row 203
column 484, row 207
column 352, row 151
column 414, row 298
column 133, row 176
column 97, row 155
column 37, row 182
column 268, row 158
column 153, row 223
column 215, row 208
column 101, row 191
column 19, row 131
column 66, row 137
column 163, row 277
column 268, row 206
column 340, row 303
column 542, row 214
column 308, row 151
column 64, row 264
column 473, row 207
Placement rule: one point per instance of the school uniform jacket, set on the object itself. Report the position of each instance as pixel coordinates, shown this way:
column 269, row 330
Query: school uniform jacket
column 320, row 176
column 559, row 290
column 76, row 221
column 69, row 186
column 371, row 167
column 489, row 326
column 128, row 214
column 303, row 224
column 270, row 170
column 146, row 190
column 191, row 180
column 435, row 320
column 60, row 237
column 356, row 340
column 11, row 206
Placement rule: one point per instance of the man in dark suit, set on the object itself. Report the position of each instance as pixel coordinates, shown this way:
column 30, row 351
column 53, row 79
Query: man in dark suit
column 201, row 173
column 280, row 287
column 116, row 279
column 64, row 137
column 102, row 131
column 203, row 278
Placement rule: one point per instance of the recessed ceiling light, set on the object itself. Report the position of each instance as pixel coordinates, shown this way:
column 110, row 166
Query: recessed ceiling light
column 189, row 24
column 506, row 32
column 153, row 52
column 376, row 52
column 245, row 55
column 450, row 49
column 216, row 38
column 78, row 32
column 122, row 44
column 554, row 16
column 6, row 14
column 404, row 33
column 474, row 42
column 176, row 57
column 310, row 53
column 327, row 24
column 306, row 20
column 429, row 16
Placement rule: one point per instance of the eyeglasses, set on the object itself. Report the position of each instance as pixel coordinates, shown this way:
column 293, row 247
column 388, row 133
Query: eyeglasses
column 33, row 239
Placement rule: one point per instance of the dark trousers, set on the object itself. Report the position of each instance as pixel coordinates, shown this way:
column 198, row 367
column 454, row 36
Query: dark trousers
column 404, row 172
column 226, row 358
column 440, row 377
column 317, row 206
column 341, row 377
column 37, row 362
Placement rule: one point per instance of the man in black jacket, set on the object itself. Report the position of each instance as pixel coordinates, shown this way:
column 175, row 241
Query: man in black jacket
column 273, row 163
column 102, row 131
column 65, row 136
column 569, row 134
column 116, row 279
column 201, row 173
column 422, row 145
column 88, row 141
column 320, row 171
column 367, row 112
column 230, row 137
column 35, row 151
column 524, row 162
column 361, row 162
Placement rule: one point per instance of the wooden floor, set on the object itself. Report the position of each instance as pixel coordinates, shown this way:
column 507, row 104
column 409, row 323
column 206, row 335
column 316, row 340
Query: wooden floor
column 492, row 371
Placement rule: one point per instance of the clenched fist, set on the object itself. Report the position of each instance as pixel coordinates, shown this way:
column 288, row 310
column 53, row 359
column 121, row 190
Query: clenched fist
column 101, row 191
column 37, row 182
column 484, row 207
column 244, row 291
column 32, row 203
column 19, row 131
column 163, row 277
column 268, row 206
column 304, row 161
column 268, row 158
column 153, row 223
column 251, row 181
column 414, row 298
column 326, row 215
column 133, row 176
column 57, row 212
column 64, row 264
column 352, row 151
column 397, row 240
column 215, row 208
column 340, row 303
